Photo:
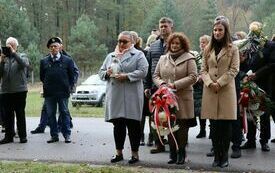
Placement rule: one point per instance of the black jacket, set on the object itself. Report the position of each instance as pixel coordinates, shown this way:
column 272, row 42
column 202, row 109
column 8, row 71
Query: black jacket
column 156, row 50
column 57, row 77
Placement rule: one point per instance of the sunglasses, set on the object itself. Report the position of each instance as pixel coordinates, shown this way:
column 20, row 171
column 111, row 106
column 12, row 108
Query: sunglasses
column 123, row 41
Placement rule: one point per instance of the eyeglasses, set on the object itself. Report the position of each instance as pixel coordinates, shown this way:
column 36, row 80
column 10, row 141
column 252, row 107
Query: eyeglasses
column 123, row 41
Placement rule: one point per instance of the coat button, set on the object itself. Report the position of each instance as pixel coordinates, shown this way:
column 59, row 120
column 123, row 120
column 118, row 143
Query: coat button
column 216, row 66
column 216, row 75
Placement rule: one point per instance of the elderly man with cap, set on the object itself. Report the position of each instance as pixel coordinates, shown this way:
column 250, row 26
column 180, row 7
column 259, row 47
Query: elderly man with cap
column 44, row 116
column 57, row 76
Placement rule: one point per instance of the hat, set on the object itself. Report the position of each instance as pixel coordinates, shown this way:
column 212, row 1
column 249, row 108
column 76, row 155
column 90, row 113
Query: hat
column 53, row 40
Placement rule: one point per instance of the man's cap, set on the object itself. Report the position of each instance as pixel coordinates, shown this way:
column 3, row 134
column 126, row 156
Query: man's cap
column 54, row 40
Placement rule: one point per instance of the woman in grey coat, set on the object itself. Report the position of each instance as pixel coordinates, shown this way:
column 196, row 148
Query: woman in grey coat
column 124, row 70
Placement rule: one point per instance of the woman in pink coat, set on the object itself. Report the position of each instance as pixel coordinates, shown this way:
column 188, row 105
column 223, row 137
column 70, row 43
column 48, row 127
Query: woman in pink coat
column 177, row 69
column 219, row 102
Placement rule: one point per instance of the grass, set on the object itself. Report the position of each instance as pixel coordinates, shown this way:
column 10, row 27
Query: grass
column 35, row 102
column 32, row 167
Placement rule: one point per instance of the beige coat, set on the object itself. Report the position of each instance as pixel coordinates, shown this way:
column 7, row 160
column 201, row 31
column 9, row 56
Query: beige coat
column 223, row 69
column 183, row 73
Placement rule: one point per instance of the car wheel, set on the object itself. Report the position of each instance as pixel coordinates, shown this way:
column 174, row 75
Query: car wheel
column 102, row 102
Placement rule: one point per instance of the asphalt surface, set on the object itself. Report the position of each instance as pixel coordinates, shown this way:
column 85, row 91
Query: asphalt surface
column 93, row 143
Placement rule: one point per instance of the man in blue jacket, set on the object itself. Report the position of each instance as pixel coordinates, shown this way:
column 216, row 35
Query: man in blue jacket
column 57, row 76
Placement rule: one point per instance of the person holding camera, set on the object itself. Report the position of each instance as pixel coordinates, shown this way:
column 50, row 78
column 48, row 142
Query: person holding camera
column 13, row 73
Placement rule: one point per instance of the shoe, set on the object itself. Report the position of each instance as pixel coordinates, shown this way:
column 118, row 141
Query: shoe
column 53, row 139
column 116, row 158
column 249, row 145
column 202, row 134
column 224, row 164
column 23, row 140
column 37, row 130
column 133, row 160
column 157, row 150
column 215, row 164
column 172, row 161
column 211, row 153
column 273, row 140
column 236, row 154
column 68, row 139
column 265, row 147
column 6, row 140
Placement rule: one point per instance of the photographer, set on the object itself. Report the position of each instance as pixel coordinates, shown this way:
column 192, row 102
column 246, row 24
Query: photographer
column 13, row 72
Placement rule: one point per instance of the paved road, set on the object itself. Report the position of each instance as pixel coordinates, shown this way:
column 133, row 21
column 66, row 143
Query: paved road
column 93, row 143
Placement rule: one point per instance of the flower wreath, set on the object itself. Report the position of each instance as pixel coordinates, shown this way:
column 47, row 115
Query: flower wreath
column 164, row 105
column 253, row 102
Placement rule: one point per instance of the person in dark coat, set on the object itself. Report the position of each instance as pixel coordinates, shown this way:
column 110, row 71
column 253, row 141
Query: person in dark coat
column 156, row 50
column 44, row 116
column 57, row 76
column 265, row 78
column 13, row 70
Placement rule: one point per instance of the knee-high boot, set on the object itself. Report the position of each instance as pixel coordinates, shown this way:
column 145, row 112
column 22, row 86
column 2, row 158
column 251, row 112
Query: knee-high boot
column 217, row 152
column 224, row 153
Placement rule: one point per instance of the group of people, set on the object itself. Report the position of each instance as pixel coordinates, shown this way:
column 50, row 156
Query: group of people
column 210, row 80
column 58, row 74
column 207, row 84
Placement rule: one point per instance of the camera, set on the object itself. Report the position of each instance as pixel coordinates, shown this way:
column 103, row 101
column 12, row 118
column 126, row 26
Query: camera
column 6, row 51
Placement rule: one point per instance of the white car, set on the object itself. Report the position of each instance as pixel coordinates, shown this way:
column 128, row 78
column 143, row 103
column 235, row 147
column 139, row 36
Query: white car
column 91, row 92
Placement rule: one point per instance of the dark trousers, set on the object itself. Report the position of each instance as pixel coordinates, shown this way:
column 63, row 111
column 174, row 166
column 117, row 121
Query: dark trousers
column 2, row 111
column 264, row 129
column 181, row 135
column 145, row 113
column 43, row 118
column 133, row 127
column 236, row 138
column 221, row 134
column 51, row 106
column 15, row 104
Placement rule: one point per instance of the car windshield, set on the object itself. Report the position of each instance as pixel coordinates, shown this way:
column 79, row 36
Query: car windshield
column 93, row 80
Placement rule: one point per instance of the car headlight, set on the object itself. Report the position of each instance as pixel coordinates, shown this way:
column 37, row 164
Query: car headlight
column 93, row 92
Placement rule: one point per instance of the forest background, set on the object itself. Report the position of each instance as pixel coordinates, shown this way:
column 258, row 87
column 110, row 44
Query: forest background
column 89, row 28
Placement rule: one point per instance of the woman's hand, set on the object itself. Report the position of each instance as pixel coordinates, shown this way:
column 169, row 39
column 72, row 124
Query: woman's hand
column 121, row 77
column 109, row 71
column 171, row 85
column 215, row 86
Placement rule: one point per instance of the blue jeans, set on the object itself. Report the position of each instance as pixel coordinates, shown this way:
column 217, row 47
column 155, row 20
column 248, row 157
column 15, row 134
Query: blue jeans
column 51, row 104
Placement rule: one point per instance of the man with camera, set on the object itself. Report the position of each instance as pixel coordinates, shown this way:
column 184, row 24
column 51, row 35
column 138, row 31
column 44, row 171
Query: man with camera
column 13, row 73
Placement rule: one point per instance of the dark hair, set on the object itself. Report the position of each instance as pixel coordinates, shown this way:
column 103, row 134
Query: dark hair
column 166, row 20
column 226, row 40
column 184, row 41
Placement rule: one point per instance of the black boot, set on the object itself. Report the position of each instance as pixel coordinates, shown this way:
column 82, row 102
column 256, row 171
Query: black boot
column 217, row 156
column 181, row 156
column 224, row 153
column 172, row 156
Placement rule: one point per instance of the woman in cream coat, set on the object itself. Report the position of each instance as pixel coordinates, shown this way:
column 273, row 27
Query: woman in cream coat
column 219, row 102
column 177, row 69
